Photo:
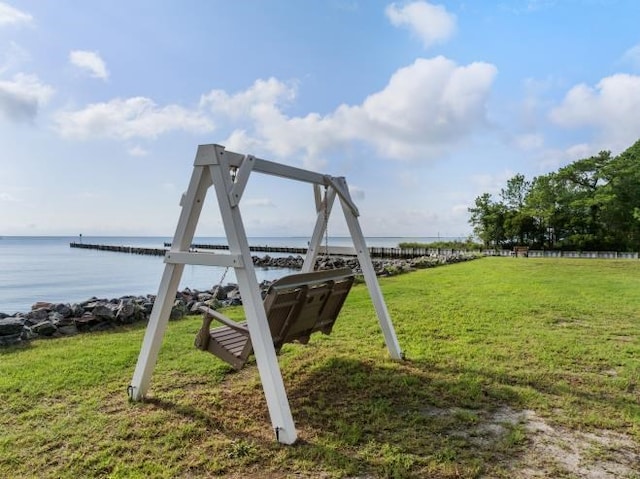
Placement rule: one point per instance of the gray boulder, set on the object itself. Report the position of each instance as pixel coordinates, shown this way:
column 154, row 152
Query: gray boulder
column 10, row 326
column 77, row 310
column 86, row 321
column 104, row 312
column 38, row 314
column 42, row 305
column 28, row 334
column 202, row 297
column 64, row 309
column 44, row 328
column 147, row 307
column 178, row 311
column 55, row 317
column 127, row 312
column 10, row 339
column 194, row 307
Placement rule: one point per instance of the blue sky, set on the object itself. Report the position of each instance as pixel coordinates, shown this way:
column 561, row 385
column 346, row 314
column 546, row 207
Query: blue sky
column 422, row 106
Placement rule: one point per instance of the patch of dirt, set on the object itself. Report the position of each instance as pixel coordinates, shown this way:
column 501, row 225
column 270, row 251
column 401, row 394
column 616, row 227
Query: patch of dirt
column 556, row 450
column 550, row 451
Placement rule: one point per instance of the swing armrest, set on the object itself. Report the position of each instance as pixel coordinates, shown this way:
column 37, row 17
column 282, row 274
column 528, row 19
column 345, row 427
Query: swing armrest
column 213, row 314
column 201, row 340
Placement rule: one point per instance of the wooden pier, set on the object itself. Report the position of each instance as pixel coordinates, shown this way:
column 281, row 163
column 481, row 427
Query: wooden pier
column 374, row 252
column 121, row 249
column 262, row 249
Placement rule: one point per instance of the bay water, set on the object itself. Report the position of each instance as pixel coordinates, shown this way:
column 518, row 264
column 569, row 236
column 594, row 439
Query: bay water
column 46, row 268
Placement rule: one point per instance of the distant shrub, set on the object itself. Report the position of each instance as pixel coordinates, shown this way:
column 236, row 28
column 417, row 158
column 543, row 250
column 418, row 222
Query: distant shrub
column 468, row 245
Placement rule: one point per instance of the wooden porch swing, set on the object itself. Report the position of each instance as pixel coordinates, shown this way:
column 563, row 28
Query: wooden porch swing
column 295, row 306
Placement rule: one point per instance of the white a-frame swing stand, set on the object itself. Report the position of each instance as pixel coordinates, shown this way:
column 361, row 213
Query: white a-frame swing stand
column 214, row 166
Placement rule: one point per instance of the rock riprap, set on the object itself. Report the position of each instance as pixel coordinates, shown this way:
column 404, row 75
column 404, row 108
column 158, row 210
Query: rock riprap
column 53, row 320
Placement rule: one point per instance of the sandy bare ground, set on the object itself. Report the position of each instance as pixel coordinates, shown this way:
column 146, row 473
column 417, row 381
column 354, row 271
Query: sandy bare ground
column 553, row 452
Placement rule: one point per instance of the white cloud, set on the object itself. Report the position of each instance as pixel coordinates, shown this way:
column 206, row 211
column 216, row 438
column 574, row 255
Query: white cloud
column 12, row 56
column 90, row 62
column 263, row 94
column 611, row 108
column 240, row 140
column 426, row 108
column 12, row 16
column 632, row 56
column 21, row 97
column 137, row 151
column 136, row 117
column 431, row 23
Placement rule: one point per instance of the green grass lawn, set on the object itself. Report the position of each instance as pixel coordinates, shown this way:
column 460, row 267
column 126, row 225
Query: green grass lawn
column 556, row 337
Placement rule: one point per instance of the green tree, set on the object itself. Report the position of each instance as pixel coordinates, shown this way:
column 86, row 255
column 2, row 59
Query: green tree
column 487, row 219
column 621, row 200
column 513, row 196
column 519, row 225
column 542, row 205
column 579, row 185
column 590, row 204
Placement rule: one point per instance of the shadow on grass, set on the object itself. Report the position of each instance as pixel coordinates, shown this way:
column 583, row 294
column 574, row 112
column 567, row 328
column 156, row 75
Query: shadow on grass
column 390, row 419
column 400, row 414
column 14, row 348
column 201, row 416
column 374, row 417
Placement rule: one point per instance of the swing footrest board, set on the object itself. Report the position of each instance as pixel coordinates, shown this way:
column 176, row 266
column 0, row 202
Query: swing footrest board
column 296, row 306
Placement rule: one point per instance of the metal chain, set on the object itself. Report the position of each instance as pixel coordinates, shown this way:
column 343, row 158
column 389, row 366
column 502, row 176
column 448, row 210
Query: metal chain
column 214, row 293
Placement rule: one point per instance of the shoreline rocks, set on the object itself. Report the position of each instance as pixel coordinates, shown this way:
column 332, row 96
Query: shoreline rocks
column 54, row 320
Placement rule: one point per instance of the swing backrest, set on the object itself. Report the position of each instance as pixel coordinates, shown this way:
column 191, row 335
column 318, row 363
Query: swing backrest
column 322, row 296
column 296, row 306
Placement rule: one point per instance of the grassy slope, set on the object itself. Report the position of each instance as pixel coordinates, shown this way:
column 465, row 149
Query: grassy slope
column 561, row 337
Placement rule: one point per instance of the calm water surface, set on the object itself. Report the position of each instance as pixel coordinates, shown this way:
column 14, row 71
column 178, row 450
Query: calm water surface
column 45, row 268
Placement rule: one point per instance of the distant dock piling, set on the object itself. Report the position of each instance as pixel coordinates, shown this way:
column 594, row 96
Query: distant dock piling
column 374, row 252
column 121, row 249
column 262, row 249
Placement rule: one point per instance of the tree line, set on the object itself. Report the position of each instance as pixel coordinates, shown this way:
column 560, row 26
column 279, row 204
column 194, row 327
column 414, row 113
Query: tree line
column 592, row 204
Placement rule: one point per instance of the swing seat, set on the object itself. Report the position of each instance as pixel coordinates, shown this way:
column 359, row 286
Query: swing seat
column 296, row 306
